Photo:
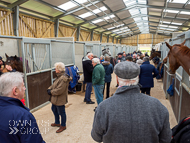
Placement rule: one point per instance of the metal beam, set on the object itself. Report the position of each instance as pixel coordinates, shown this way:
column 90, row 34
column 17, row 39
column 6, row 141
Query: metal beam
column 16, row 20
column 101, row 37
column 108, row 38
column 91, row 35
column 56, row 27
column 113, row 39
column 17, row 3
column 78, row 33
column 75, row 10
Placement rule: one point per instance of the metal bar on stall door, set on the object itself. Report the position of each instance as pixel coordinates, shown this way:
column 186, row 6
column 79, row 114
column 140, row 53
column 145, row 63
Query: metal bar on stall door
column 50, row 62
column 25, row 76
column 73, row 56
column 180, row 94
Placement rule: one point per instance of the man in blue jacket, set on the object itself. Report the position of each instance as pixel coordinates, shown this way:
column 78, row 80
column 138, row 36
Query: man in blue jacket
column 147, row 73
column 17, row 124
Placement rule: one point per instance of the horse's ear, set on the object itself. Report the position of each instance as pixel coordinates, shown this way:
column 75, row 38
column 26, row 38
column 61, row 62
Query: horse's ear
column 6, row 55
column 170, row 47
column 183, row 42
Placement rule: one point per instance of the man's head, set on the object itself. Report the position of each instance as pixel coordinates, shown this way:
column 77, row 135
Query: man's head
column 124, row 54
column 107, row 58
column 127, row 73
column 145, row 59
column 59, row 67
column 12, row 85
column 90, row 56
column 95, row 61
column 120, row 55
column 129, row 58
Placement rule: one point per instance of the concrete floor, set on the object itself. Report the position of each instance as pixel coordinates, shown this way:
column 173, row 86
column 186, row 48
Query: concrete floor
column 80, row 117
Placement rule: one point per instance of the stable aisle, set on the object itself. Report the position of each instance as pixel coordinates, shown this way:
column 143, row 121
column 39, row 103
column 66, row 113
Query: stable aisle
column 80, row 117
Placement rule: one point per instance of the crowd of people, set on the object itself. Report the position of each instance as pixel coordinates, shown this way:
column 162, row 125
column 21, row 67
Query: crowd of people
column 130, row 115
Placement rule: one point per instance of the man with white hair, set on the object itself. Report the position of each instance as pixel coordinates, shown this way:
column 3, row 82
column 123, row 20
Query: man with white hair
column 87, row 70
column 130, row 116
column 98, row 79
column 17, row 124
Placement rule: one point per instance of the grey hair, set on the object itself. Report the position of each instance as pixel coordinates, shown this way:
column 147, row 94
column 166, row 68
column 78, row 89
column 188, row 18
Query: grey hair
column 96, row 60
column 128, row 82
column 10, row 80
column 60, row 66
column 89, row 54
column 146, row 59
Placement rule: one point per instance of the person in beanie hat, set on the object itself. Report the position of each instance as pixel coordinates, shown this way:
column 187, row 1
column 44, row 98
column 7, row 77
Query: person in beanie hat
column 130, row 116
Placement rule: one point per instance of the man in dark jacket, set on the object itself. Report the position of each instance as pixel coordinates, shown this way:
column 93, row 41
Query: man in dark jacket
column 17, row 124
column 108, row 71
column 87, row 70
column 130, row 116
column 148, row 72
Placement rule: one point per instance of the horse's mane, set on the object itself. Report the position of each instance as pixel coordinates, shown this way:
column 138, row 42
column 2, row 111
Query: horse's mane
column 183, row 49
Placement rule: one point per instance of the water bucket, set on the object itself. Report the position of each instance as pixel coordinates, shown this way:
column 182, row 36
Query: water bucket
column 78, row 86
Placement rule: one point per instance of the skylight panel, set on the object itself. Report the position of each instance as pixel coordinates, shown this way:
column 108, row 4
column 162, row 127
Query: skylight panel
column 97, row 21
column 171, row 11
column 110, row 28
column 85, row 15
column 103, row 8
column 142, row 1
column 145, row 18
column 116, row 30
column 143, row 10
column 137, row 18
column 165, row 22
column 134, row 11
column 67, row 5
column 184, row 12
column 176, row 23
column 173, row 27
column 163, row 25
column 129, row 2
column 81, row 1
column 120, row 25
column 108, row 17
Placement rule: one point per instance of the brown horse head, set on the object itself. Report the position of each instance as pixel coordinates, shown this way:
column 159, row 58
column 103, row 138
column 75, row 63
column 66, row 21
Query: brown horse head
column 14, row 62
column 173, row 60
column 154, row 54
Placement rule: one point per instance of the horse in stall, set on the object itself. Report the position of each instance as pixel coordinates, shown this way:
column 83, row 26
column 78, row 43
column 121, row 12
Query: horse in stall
column 106, row 51
column 14, row 62
column 179, row 55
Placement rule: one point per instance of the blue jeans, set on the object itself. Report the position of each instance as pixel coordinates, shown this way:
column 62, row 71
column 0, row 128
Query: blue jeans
column 88, row 91
column 59, row 110
column 98, row 89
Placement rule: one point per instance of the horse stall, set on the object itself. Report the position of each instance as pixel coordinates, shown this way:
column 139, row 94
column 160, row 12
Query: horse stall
column 180, row 100
column 39, row 56
column 107, row 46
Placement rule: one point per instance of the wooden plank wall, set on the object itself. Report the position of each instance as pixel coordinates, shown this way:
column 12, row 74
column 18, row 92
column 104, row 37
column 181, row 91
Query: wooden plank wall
column 66, row 31
column 39, row 28
column 96, row 37
column 104, row 39
column 6, row 23
column 34, row 27
column 129, row 41
column 144, row 39
column 84, row 35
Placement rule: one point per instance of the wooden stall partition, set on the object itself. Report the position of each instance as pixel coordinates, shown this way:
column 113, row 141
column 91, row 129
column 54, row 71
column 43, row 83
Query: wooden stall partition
column 37, row 88
column 96, row 37
column 130, row 40
column 67, row 31
column 115, row 41
column 159, row 38
column 34, row 27
column 185, row 106
column 6, row 23
column 145, row 39
column 84, row 35
column 104, row 39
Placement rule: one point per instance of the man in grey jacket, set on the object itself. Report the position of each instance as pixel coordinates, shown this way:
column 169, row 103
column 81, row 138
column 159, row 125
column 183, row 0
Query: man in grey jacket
column 130, row 116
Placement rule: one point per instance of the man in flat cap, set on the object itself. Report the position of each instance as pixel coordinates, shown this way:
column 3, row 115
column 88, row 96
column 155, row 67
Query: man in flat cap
column 130, row 116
